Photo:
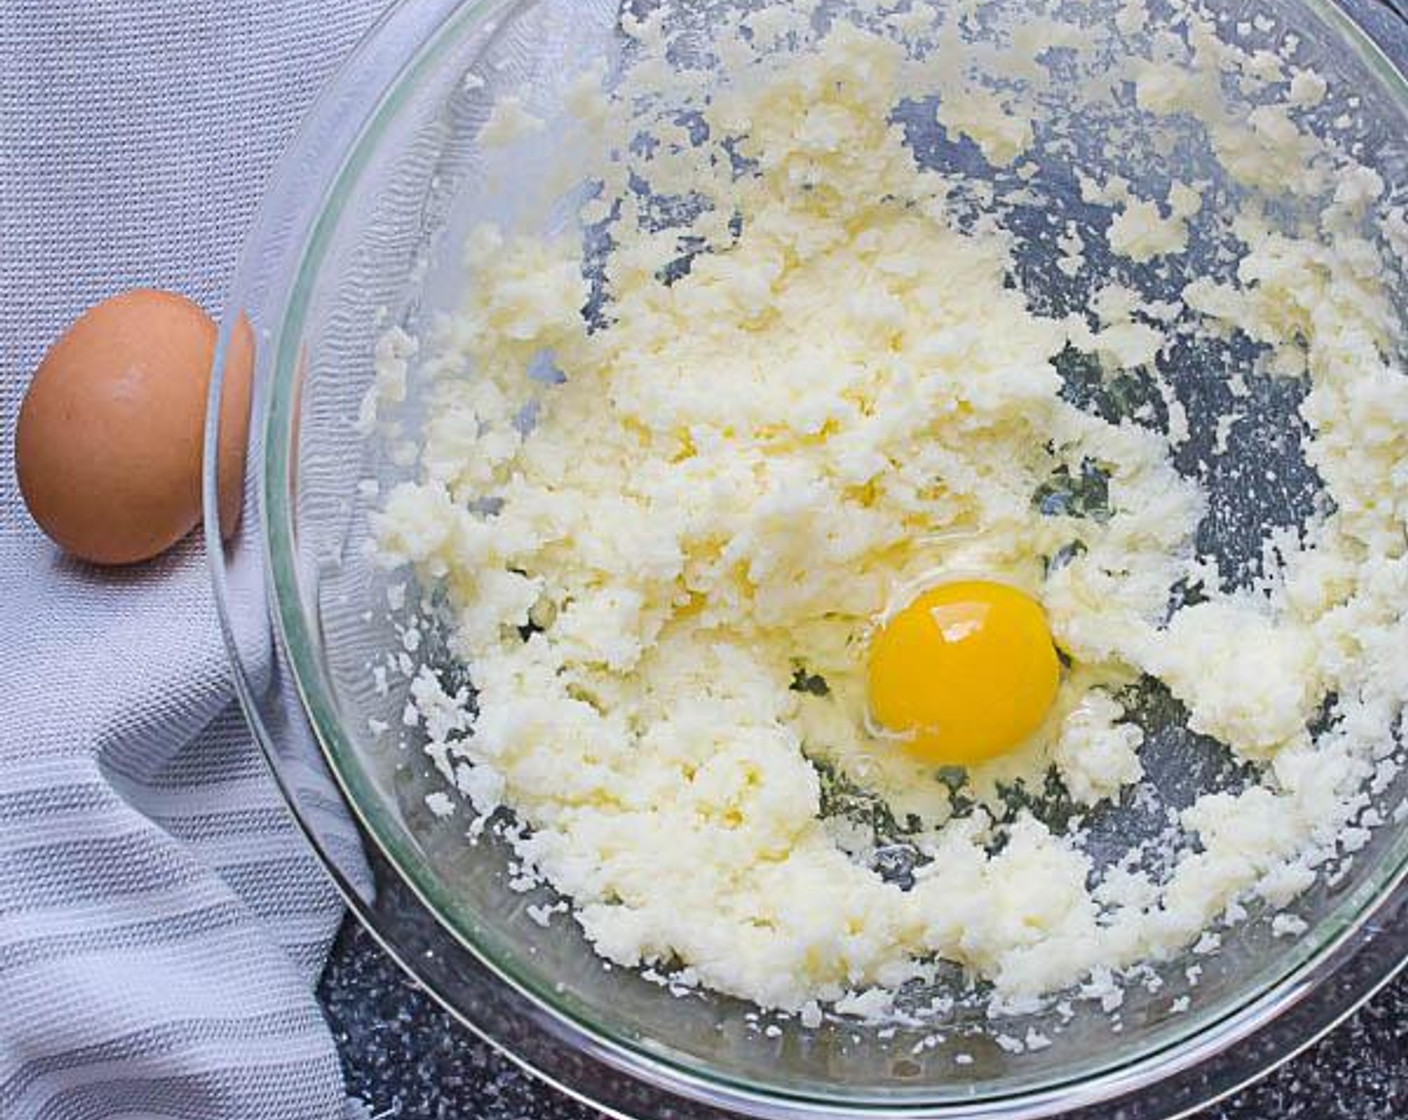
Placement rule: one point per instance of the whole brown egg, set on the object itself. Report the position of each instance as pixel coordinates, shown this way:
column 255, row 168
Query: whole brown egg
column 109, row 440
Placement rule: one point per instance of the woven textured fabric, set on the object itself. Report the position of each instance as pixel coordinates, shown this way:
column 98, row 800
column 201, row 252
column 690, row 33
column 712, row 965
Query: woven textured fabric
column 161, row 921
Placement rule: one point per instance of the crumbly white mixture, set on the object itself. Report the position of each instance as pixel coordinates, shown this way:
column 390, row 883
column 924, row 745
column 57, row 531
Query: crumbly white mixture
column 649, row 529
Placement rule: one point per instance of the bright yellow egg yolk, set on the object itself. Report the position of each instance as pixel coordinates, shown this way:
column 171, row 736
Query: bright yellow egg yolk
column 965, row 672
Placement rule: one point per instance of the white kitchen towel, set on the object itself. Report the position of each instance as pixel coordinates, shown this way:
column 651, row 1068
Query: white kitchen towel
column 161, row 922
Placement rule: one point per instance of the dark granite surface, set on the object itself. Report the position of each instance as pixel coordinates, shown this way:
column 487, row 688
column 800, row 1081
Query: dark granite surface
column 407, row 1059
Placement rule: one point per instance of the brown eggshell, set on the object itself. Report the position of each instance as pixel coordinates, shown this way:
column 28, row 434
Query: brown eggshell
column 108, row 442
column 235, row 389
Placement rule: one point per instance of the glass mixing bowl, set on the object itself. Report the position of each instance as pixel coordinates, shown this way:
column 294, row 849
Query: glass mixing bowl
column 361, row 230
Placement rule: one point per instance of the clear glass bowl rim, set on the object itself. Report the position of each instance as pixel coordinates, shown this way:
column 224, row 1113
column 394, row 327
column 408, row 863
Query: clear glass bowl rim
column 334, row 144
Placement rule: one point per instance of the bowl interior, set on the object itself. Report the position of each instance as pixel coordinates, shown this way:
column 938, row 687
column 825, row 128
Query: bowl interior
column 388, row 252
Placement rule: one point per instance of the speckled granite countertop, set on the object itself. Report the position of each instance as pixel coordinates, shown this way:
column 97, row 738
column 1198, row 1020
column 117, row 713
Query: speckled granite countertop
column 407, row 1059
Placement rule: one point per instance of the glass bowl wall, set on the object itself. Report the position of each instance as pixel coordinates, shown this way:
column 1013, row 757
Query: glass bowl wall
column 361, row 231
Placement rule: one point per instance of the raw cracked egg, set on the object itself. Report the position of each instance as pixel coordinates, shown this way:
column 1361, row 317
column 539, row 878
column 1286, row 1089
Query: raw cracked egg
column 109, row 440
column 963, row 673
